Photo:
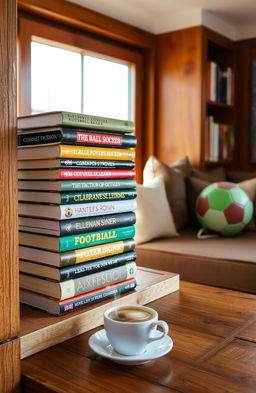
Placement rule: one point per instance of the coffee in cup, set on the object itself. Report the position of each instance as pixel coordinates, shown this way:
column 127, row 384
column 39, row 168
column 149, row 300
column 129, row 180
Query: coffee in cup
column 131, row 328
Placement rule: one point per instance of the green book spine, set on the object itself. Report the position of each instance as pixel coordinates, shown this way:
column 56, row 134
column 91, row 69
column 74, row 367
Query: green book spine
column 67, row 243
column 97, row 196
column 96, row 122
column 89, row 185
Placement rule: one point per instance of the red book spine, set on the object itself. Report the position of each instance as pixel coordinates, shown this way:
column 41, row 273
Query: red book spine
column 66, row 174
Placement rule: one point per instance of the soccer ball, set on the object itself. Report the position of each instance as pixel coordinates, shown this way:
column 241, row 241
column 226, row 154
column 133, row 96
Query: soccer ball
column 224, row 208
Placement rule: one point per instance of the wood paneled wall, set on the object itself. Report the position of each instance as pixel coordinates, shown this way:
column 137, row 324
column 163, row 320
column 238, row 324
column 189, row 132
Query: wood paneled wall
column 9, row 303
column 178, row 95
column 245, row 52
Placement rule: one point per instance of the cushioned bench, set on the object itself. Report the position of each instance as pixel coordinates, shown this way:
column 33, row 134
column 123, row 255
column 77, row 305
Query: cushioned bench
column 223, row 262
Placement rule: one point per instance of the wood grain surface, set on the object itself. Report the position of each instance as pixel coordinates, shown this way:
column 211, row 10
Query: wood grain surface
column 9, row 303
column 205, row 323
column 10, row 367
column 40, row 330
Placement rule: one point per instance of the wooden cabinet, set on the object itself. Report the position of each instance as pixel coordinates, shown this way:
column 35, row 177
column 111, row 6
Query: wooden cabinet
column 183, row 104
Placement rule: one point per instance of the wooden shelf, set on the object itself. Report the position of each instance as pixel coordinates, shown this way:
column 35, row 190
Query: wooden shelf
column 220, row 104
column 40, row 330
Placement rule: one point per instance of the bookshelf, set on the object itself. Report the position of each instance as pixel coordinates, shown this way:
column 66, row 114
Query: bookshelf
column 218, row 132
column 183, row 103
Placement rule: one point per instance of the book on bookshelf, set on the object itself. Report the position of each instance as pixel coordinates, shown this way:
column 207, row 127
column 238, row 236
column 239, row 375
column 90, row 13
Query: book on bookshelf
column 74, row 242
column 58, row 307
column 219, row 141
column 59, row 118
column 65, row 212
column 73, row 151
column 53, row 136
column 72, row 174
column 65, row 289
column 76, row 185
column 74, row 271
column 71, row 163
column 68, row 258
column 219, row 83
column 75, row 226
column 63, row 198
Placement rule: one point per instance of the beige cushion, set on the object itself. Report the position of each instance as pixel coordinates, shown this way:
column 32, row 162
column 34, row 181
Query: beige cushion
column 182, row 165
column 153, row 215
column 225, row 262
column 249, row 186
column 175, row 188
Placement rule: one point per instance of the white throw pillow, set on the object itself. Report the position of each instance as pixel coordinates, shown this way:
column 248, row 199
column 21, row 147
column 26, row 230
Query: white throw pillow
column 153, row 215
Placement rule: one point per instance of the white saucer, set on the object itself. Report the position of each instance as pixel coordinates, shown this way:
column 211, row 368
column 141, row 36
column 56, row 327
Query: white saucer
column 99, row 343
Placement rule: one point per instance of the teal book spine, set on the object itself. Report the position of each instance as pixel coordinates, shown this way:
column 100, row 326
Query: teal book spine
column 83, row 197
column 90, row 239
column 90, row 185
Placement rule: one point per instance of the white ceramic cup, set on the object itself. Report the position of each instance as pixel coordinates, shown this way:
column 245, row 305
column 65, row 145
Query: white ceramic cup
column 132, row 338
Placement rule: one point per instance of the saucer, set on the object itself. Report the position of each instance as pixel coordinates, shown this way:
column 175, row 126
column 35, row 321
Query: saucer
column 99, row 343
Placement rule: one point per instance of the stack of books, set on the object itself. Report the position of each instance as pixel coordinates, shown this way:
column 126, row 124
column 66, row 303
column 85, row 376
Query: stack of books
column 77, row 201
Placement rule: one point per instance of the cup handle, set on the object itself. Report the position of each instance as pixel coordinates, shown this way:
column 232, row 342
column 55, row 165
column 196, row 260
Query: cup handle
column 165, row 328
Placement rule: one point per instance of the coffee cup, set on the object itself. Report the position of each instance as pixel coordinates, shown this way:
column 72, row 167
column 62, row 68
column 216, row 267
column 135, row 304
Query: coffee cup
column 131, row 328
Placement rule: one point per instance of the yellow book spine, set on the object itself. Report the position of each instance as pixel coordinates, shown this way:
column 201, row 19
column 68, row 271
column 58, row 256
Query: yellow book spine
column 104, row 250
column 69, row 151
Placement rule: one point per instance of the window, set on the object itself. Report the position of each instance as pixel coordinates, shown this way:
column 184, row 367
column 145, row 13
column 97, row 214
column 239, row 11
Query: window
column 90, row 74
column 65, row 79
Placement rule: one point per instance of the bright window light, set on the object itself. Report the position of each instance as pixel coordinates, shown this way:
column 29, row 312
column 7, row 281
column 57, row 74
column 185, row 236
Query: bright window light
column 106, row 88
column 55, row 78
column 63, row 79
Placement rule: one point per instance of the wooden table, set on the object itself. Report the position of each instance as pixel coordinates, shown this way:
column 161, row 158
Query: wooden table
column 214, row 334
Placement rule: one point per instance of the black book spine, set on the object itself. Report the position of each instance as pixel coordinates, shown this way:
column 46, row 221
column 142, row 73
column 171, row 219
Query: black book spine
column 101, row 164
column 70, row 272
column 40, row 138
column 77, row 137
column 96, row 296
column 84, row 225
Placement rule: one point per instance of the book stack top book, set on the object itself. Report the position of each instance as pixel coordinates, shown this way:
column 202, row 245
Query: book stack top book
column 77, row 201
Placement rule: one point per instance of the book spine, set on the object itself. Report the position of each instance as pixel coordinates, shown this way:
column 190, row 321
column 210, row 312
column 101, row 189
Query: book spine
column 70, row 272
column 101, row 164
column 96, row 122
column 95, row 174
column 39, row 138
column 97, row 184
column 90, row 239
column 98, row 280
column 79, row 137
column 96, row 296
column 70, row 151
column 73, row 242
column 97, row 196
column 93, row 209
column 95, row 252
column 81, row 225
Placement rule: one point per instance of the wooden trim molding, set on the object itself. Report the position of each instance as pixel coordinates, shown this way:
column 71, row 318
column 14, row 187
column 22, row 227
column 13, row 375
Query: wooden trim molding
column 9, row 283
column 84, row 18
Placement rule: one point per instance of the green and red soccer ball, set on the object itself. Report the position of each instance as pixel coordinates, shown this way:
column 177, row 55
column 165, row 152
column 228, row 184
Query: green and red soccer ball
column 224, row 208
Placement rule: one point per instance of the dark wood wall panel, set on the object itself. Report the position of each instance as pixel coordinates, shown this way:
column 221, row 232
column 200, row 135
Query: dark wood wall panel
column 178, row 95
column 9, row 305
